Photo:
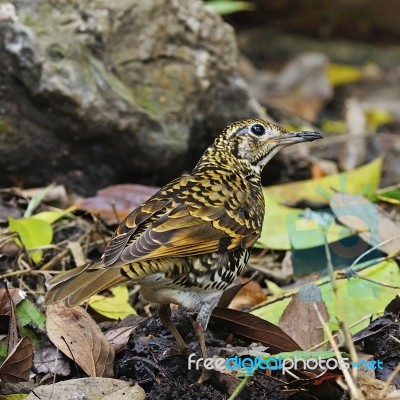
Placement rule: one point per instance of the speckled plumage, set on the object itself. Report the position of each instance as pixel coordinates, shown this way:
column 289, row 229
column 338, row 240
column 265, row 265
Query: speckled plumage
column 189, row 241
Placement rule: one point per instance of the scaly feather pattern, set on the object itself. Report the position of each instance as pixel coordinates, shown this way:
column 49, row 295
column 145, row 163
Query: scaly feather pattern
column 189, row 241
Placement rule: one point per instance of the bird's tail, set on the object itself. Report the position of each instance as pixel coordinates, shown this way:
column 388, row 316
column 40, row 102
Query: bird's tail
column 78, row 284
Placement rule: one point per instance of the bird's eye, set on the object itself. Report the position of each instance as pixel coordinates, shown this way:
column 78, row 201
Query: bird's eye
column 257, row 129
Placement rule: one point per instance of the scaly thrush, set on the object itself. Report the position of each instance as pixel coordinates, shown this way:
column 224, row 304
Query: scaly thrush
column 189, row 241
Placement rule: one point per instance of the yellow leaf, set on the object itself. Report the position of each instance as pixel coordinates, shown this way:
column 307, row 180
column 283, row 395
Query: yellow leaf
column 363, row 180
column 341, row 74
column 33, row 233
column 376, row 118
column 114, row 307
column 53, row 216
column 284, row 228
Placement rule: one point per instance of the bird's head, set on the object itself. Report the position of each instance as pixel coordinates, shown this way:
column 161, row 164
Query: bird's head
column 255, row 141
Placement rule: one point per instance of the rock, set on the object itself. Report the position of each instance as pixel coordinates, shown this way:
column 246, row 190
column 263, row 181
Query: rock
column 101, row 92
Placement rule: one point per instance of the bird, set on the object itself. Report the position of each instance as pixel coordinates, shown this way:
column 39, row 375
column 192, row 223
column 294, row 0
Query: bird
column 188, row 242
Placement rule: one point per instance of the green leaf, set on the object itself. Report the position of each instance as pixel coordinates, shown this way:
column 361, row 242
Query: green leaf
column 359, row 297
column 28, row 314
column 114, row 307
column 33, row 233
column 224, row 7
column 390, row 196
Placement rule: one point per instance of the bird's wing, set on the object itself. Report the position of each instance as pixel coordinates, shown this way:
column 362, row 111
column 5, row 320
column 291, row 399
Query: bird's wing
column 192, row 222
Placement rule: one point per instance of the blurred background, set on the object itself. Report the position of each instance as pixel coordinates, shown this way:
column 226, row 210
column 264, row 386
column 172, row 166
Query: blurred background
column 93, row 94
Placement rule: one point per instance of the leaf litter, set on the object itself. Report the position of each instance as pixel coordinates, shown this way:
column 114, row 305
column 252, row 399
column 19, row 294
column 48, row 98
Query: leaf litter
column 145, row 351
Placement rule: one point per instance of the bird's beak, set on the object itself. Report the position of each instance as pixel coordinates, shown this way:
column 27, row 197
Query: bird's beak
column 297, row 137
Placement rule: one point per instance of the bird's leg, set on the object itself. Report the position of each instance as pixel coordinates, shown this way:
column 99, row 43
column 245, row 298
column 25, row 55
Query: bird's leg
column 164, row 313
column 201, row 323
column 200, row 327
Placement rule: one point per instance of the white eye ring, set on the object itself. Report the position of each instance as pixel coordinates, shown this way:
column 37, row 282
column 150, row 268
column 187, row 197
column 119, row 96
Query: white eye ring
column 258, row 129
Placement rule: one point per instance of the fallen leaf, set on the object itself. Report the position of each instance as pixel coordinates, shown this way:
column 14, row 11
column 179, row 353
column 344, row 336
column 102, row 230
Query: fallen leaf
column 359, row 297
column 89, row 388
column 300, row 320
column 33, row 233
column 29, row 315
column 78, row 336
column 321, row 168
column 286, row 228
column 114, row 306
column 52, row 216
column 12, row 334
column 254, row 329
column 229, row 293
column 377, row 117
column 17, row 296
column 390, row 195
column 17, row 366
column 249, row 295
column 48, row 359
column 341, row 74
column 119, row 337
column 364, row 179
column 373, row 388
column 372, row 223
column 120, row 199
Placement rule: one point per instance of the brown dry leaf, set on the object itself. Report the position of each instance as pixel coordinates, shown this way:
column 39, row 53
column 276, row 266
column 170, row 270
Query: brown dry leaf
column 89, row 388
column 74, row 331
column 17, row 366
column 254, row 328
column 9, row 297
column 15, row 294
column 300, row 321
column 249, row 295
column 374, row 225
column 119, row 337
column 120, row 199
